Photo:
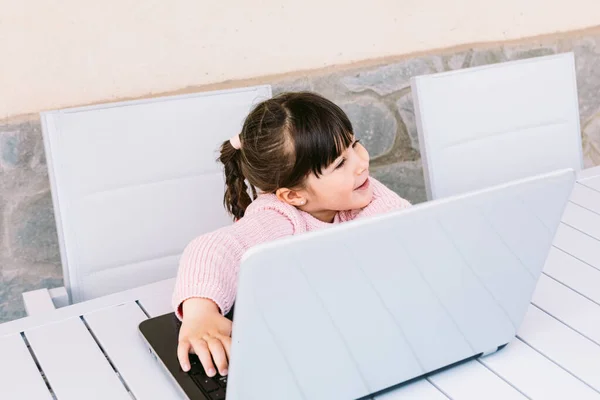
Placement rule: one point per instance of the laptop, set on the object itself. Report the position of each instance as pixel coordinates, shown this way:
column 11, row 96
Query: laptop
column 361, row 308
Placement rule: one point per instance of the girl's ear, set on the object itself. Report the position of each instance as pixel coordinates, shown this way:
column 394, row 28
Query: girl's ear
column 291, row 197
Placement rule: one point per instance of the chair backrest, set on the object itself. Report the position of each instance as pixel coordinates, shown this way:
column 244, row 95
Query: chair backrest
column 488, row 125
column 133, row 182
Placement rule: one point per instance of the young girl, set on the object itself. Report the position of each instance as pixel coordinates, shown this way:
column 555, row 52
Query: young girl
column 299, row 151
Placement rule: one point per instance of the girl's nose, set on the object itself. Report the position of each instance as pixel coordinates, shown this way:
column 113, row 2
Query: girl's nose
column 363, row 159
column 362, row 166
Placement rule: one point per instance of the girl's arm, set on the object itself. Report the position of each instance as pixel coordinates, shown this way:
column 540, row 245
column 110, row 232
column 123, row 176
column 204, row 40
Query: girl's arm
column 210, row 263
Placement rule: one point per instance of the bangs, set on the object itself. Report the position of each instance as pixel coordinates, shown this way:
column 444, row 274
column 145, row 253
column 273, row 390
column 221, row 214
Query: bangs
column 320, row 131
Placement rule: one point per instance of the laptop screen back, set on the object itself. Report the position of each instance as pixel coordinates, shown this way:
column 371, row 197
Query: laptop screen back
column 366, row 305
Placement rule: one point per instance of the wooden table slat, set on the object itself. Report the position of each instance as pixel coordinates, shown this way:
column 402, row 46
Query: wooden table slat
column 575, row 274
column 116, row 329
column 569, row 307
column 583, row 220
column 73, row 363
column 585, row 197
column 561, row 344
column 590, row 177
column 19, row 376
column 535, row 375
column 473, row 381
column 19, row 325
column 578, row 245
column 589, row 174
column 592, row 183
column 156, row 305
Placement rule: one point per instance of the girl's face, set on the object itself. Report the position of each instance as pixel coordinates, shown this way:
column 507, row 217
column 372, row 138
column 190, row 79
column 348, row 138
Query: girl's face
column 343, row 185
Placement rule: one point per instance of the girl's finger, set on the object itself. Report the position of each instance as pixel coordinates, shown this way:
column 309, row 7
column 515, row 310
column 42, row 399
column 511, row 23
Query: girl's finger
column 226, row 340
column 183, row 354
column 201, row 348
column 218, row 353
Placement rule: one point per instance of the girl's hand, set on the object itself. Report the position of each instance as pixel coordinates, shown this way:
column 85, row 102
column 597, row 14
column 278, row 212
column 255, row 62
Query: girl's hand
column 207, row 333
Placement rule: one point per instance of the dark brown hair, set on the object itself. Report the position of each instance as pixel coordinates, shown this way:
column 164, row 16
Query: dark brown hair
column 284, row 139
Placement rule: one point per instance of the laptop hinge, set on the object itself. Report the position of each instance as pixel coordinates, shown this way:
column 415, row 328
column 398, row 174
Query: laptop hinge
column 487, row 353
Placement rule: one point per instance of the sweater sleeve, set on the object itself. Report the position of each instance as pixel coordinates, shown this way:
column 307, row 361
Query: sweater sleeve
column 209, row 265
column 384, row 200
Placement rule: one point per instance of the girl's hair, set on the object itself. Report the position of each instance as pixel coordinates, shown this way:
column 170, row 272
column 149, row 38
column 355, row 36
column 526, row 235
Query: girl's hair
column 283, row 140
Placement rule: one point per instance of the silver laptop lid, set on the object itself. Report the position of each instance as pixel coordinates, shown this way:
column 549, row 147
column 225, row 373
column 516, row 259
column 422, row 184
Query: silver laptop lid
column 354, row 309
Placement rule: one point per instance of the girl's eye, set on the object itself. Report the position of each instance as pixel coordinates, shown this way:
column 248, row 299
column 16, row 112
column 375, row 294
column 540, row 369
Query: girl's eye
column 341, row 164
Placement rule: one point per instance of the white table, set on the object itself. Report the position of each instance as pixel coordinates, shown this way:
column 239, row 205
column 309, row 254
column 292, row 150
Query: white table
column 93, row 350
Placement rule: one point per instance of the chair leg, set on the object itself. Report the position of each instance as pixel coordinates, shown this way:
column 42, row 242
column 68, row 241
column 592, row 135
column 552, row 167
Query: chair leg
column 38, row 302
column 60, row 297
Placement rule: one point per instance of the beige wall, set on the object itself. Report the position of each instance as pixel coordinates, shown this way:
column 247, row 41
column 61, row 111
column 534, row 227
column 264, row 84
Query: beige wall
column 73, row 52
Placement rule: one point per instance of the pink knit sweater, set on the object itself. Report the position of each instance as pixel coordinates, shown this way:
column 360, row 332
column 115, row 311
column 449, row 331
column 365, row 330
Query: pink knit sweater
column 209, row 265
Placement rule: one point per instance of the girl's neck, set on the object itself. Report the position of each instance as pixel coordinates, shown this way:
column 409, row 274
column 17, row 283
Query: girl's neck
column 324, row 216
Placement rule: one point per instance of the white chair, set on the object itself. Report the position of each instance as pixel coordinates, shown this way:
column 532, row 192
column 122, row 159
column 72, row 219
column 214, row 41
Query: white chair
column 488, row 125
column 133, row 182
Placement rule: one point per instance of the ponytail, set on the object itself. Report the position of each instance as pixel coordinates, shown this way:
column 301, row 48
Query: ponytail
column 236, row 198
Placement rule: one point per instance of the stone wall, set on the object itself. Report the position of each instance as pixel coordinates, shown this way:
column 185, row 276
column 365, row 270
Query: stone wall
column 29, row 255
column 377, row 100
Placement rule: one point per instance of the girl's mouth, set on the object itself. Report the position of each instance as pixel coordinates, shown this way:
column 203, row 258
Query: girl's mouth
column 364, row 186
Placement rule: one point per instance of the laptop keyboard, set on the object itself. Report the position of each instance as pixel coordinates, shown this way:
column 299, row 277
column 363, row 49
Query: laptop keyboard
column 214, row 388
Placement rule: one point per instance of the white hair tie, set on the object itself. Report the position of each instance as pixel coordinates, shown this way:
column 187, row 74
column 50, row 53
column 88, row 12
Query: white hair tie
column 235, row 142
